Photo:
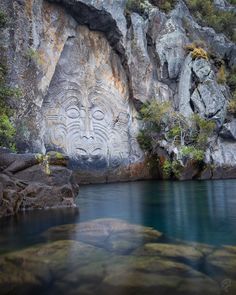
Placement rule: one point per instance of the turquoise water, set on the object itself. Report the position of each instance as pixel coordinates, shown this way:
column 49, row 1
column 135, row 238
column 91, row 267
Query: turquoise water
column 201, row 211
column 140, row 238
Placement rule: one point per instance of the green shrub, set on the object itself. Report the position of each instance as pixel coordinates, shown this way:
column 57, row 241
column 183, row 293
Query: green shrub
column 165, row 5
column 176, row 168
column 3, row 19
column 156, row 113
column 175, row 132
column 203, row 130
column 190, row 136
column 7, row 132
column 144, row 141
column 207, row 14
column 138, row 6
column 167, row 169
column 193, row 153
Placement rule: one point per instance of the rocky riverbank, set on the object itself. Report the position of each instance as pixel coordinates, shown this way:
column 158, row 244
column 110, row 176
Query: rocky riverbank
column 35, row 181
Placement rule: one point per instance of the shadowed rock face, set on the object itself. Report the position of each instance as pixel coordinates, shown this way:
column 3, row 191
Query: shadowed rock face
column 87, row 112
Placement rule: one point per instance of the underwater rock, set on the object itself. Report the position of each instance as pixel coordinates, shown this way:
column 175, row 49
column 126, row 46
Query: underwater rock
column 113, row 234
column 72, row 266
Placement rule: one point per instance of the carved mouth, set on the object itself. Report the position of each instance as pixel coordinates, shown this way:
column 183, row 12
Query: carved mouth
column 94, row 154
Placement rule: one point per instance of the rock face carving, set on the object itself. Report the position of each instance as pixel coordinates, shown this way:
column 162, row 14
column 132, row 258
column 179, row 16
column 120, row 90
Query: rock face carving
column 86, row 112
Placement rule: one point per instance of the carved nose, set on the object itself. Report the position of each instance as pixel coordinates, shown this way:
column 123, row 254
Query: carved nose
column 87, row 131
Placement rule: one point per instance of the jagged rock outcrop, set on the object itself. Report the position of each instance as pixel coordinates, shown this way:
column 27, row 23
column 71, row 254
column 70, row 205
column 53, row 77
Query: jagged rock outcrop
column 85, row 68
column 206, row 97
column 34, row 181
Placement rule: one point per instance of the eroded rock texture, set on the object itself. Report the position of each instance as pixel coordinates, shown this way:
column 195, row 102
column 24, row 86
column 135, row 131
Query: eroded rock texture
column 86, row 67
column 31, row 181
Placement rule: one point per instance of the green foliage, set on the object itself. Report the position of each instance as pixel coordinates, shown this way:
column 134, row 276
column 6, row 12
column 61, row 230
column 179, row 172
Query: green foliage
column 207, row 14
column 167, row 169
column 138, row 6
column 3, row 19
column 163, row 122
column 176, row 168
column 171, row 169
column 165, row 5
column 144, row 141
column 193, row 153
column 191, row 136
column 203, row 130
column 156, row 113
column 7, row 132
column 175, row 132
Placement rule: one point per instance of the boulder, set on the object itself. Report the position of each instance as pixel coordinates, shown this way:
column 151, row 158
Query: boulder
column 30, row 182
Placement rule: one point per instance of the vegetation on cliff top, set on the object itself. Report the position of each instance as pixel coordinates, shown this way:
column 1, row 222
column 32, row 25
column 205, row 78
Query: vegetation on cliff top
column 208, row 15
column 142, row 6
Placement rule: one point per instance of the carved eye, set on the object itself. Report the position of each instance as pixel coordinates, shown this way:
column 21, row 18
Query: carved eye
column 98, row 115
column 72, row 113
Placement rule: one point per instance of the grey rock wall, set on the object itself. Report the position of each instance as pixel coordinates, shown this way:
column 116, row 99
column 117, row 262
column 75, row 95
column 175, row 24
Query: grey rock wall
column 85, row 68
column 87, row 112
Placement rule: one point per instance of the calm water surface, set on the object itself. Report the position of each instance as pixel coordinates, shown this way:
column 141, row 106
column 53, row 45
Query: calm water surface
column 202, row 211
column 185, row 212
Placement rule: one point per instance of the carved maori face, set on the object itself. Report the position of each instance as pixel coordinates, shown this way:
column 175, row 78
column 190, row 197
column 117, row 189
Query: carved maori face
column 86, row 111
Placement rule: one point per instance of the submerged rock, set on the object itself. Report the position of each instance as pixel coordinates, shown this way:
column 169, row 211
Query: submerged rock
column 113, row 234
column 174, row 251
column 77, row 267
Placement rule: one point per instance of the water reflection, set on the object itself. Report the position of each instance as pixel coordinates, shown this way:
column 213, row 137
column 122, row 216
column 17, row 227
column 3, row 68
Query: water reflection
column 107, row 247
column 24, row 229
column 203, row 211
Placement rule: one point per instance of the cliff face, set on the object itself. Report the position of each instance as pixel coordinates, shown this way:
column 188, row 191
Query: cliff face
column 84, row 69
